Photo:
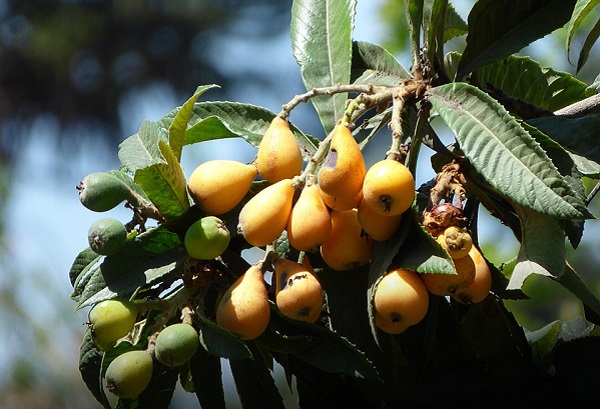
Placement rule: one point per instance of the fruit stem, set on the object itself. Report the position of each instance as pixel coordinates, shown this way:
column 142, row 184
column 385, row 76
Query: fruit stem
column 316, row 159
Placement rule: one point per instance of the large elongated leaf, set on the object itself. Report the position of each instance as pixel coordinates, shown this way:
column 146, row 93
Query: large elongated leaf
column 572, row 282
column 454, row 25
column 372, row 64
column 504, row 153
column 528, row 81
column 255, row 384
column 178, row 127
column 321, row 32
column 542, row 248
column 223, row 119
column 581, row 9
column 589, row 42
column 579, row 135
column 499, row 28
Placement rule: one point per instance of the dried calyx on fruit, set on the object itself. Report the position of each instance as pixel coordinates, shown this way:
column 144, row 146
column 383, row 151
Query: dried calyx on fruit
column 441, row 216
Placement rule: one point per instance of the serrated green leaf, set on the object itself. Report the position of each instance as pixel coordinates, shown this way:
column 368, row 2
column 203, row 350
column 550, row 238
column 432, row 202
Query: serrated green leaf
column 218, row 120
column 504, row 153
column 434, row 12
column 255, row 384
column 205, row 370
column 372, row 64
column 414, row 17
column 526, row 80
column 317, row 346
column 140, row 150
column 136, row 266
column 581, row 9
column 542, row 248
column 321, row 32
column 589, row 42
column 454, row 25
column 572, row 282
column 542, row 343
column 90, row 364
column 165, row 184
column 579, row 135
column 82, row 263
column 178, row 126
column 499, row 28
column 222, row 343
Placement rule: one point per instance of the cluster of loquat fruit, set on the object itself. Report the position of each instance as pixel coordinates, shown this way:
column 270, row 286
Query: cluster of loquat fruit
column 339, row 211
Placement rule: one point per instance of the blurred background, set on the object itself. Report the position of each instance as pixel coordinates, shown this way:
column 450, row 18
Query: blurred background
column 77, row 77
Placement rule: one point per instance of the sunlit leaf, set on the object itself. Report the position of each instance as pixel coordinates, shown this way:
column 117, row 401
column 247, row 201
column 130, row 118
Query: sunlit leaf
column 223, row 119
column 499, row 28
column 178, row 127
column 526, row 80
column 321, row 32
column 504, row 153
column 165, row 184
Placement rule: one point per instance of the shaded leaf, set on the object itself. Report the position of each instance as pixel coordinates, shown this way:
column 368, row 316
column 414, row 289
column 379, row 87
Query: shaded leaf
column 373, row 64
column 134, row 267
column 90, row 363
column 222, row 343
column 579, row 135
column 543, row 342
column 526, row 80
column 205, row 369
column 82, row 264
column 317, row 346
column 580, row 11
column 321, row 32
column 589, row 42
column 499, row 28
column 542, row 248
column 504, row 153
column 454, row 25
column 572, row 282
column 255, row 384
column 178, row 126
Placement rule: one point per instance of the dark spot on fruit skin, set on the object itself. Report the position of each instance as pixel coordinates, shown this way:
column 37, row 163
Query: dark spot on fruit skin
column 331, row 160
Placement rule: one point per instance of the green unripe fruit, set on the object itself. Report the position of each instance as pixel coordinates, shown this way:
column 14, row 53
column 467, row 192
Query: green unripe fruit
column 111, row 320
column 176, row 344
column 102, row 191
column 207, row 238
column 107, row 236
column 129, row 374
